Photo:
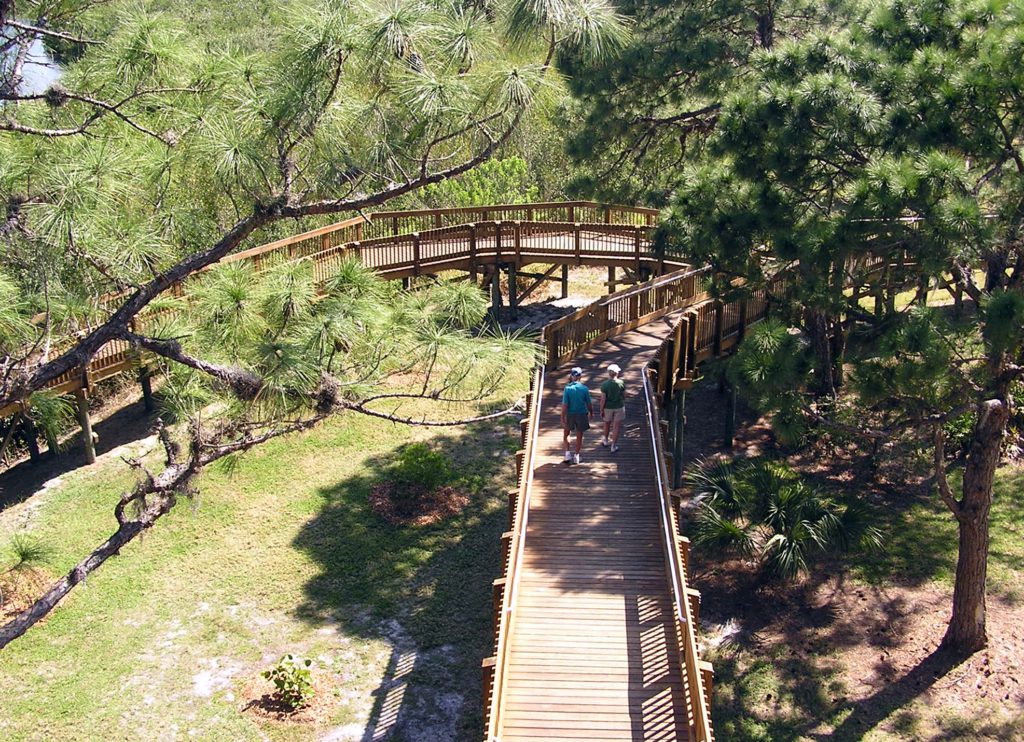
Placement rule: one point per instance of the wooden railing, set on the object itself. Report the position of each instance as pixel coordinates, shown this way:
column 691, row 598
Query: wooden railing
column 506, row 588
column 621, row 312
column 686, row 601
column 579, row 233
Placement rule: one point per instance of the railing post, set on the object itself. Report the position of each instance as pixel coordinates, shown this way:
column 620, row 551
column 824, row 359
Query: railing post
column 472, row 252
column 551, row 344
column 516, row 237
column 359, row 231
column 636, row 249
column 513, row 290
column 576, row 242
column 325, row 241
column 572, row 213
column 415, row 253
column 717, row 343
column 742, row 331
column 607, row 214
column 82, row 406
column 678, row 419
column 603, row 318
column 497, row 243
column 678, row 352
column 147, row 387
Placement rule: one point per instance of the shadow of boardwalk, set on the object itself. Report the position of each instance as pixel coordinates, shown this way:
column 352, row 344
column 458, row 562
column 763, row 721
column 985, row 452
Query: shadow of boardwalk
column 425, row 590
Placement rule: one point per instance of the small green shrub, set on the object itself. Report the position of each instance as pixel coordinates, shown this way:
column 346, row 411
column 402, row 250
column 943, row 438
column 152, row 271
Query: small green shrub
column 420, row 467
column 293, row 680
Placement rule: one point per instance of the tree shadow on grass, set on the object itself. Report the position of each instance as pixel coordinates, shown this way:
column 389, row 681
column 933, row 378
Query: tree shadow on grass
column 426, row 589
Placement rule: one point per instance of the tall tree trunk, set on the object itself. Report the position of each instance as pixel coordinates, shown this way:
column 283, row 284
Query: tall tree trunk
column 966, row 632
column 838, row 352
column 995, row 270
column 817, row 327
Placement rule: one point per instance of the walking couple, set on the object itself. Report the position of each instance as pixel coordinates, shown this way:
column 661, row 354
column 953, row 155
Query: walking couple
column 578, row 408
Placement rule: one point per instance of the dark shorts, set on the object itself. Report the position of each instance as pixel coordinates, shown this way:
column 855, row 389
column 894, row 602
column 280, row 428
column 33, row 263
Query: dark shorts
column 578, row 423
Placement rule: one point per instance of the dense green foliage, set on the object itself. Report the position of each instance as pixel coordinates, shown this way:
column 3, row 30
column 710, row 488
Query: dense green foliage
column 762, row 508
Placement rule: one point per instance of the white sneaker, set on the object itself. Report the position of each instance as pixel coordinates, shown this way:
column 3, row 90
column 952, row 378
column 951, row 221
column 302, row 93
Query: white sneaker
column 615, row 448
column 575, row 458
column 605, row 443
column 568, row 455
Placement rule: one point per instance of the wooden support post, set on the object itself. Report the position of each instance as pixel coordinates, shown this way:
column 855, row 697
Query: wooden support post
column 12, row 428
column 472, row 253
column 565, row 281
column 31, row 439
column 513, row 291
column 487, row 669
column 407, row 283
column 677, row 439
column 730, row 414
column 82, row 404
column 497, row 597
column 147, row 388
column 496, row 293
column 611, row 279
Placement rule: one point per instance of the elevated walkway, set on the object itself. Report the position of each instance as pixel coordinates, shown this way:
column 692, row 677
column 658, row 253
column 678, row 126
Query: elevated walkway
column 593, row 652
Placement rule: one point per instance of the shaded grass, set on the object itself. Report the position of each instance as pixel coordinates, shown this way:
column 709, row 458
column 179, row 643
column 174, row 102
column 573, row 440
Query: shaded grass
column 279, row 553
column 920, row 540
column 793, row 690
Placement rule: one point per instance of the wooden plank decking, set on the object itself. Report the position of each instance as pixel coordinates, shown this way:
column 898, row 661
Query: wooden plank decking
column 594, row 651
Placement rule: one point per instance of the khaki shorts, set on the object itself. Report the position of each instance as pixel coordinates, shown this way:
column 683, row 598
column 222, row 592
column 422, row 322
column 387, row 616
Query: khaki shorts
column 610, row 416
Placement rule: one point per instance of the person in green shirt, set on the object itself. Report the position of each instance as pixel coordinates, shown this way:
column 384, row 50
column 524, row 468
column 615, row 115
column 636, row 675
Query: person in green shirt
column 577, row 409
column 613, row 406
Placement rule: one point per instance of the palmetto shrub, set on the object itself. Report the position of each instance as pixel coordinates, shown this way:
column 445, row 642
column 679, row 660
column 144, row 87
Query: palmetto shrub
column 762, row 508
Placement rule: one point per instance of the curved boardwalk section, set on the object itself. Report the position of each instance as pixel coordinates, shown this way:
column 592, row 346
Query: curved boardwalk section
column 593, row 651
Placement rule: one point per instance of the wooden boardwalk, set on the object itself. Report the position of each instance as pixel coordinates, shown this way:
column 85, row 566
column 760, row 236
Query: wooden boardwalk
column 593, row 652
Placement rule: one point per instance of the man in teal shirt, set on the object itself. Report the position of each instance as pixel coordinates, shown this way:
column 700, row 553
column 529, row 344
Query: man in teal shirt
column 577, row 409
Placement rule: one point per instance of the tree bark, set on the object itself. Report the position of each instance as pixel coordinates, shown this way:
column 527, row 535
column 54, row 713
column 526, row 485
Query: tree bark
column 966, row 632
column 127, row 531
column 817, row 327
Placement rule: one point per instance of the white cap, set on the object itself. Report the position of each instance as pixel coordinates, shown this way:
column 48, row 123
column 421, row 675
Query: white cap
column 614, row 368
column 576, row 371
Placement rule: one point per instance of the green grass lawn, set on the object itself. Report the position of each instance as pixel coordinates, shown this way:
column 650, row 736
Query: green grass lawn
column 921, row 541
column 280, row 553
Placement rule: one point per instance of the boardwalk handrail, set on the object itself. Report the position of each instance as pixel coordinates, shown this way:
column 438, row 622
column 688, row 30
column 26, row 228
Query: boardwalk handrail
column 388, row 243
column 686, row 631
column 495, row 676
column 621, row 312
